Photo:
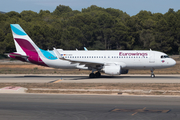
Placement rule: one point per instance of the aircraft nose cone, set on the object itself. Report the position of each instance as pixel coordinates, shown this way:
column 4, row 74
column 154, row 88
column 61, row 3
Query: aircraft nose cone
column 173, row 62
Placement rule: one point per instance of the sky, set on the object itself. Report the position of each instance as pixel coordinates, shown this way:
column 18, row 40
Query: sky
column 131, row 7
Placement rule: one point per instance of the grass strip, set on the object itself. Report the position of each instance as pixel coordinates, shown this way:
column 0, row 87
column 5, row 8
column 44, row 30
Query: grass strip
column 153, row 88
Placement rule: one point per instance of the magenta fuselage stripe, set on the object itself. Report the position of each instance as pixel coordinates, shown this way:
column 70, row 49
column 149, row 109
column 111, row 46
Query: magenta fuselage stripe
column 30, row 51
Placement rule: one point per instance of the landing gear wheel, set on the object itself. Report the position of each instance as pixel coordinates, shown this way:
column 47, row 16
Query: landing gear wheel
column 91, row 75
column 97, row 74
column 152, row 75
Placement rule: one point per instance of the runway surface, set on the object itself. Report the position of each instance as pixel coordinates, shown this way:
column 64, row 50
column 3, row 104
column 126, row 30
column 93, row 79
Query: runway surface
column 87, row 107
column 85, row 79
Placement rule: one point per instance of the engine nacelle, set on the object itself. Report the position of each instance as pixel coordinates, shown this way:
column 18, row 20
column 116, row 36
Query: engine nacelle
column 112, row 69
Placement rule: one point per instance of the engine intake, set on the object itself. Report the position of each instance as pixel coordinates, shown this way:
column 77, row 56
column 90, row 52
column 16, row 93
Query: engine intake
column 112, row 69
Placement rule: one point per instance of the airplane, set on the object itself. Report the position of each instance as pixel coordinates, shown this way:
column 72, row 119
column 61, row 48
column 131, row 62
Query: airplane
column 111, row 62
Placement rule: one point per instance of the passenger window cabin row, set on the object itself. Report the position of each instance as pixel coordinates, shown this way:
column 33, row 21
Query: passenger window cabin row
column 162, row 56
column 105, row 57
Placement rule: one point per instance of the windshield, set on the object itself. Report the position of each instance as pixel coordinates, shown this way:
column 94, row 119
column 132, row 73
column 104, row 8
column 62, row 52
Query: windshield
column 164, row 56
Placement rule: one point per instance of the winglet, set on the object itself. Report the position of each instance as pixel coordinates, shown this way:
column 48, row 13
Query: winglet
column 85, row 49
column 57, row 54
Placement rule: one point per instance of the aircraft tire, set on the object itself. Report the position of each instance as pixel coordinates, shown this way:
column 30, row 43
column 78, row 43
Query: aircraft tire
column 97, row 74
column 91, row 75
column 152, row 75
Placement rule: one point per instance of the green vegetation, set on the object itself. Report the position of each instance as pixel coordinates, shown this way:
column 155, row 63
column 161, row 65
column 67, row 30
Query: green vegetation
column 95, row 28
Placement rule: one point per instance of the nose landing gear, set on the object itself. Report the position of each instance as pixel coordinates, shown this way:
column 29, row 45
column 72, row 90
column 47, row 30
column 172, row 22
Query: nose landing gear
column 152, row 73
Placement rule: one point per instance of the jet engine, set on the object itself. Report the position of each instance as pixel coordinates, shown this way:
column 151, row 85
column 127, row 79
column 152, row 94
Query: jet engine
column 112, row 69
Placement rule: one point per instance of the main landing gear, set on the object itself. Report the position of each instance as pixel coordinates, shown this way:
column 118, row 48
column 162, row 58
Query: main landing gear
column 152, row 73
column 96, row 75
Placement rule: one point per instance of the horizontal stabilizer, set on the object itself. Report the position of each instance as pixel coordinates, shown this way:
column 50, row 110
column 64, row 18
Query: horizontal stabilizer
column 15, row 54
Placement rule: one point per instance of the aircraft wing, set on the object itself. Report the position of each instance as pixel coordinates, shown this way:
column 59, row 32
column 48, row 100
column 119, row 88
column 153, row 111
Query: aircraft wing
column 86, row 64
column 93, row 64
column 83, row 62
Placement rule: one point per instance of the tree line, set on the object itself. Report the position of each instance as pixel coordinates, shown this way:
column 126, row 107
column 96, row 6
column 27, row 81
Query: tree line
column 95, row 28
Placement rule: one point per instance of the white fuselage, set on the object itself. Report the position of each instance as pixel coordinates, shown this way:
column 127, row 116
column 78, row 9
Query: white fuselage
column 128, row 59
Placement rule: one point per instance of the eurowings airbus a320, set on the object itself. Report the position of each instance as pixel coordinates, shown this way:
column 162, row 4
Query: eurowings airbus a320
column 112, row 62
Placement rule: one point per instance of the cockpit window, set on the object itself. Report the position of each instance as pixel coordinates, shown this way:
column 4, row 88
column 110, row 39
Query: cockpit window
column 164, row 56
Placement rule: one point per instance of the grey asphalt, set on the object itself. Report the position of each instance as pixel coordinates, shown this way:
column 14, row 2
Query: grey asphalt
column 87, row 107
column 85, row 79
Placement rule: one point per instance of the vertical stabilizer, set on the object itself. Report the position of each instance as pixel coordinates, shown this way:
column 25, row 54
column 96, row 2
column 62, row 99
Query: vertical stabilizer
column 25, row 46
column 22, row 41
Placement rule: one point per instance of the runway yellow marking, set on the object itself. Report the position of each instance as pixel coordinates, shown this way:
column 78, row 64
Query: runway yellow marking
column 139, row 109
column 115, row 110
column 134, row 113
column 57, row 81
